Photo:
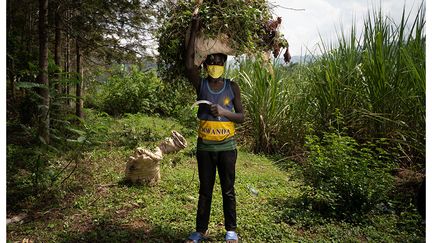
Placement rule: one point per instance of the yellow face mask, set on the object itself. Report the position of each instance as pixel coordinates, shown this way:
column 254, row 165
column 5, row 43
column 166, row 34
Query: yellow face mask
column 215, row 71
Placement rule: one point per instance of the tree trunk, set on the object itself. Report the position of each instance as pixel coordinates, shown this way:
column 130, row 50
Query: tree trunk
column 67, row 69
column 79, row 104
column 67, row 63
column 10, row 70
column 57, row 47
column 44, row 120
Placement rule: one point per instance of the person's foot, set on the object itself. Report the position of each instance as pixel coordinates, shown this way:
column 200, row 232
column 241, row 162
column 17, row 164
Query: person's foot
column 231, row 237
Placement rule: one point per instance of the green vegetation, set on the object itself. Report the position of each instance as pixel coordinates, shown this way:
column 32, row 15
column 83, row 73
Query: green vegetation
column 331, row 150
column 130, row 90
column 345, row 180
column 95, row 205
column 275, row 104
column 354, row 89
column 367, row 79
column 362, row 80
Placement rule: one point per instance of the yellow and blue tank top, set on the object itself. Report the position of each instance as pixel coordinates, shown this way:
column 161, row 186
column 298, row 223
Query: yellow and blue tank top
column 215, row 133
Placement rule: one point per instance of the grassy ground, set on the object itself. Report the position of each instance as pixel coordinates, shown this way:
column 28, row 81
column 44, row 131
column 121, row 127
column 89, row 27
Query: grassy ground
column 96, row 206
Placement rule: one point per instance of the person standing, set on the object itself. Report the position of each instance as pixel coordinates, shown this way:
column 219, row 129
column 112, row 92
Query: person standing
column 216, row 145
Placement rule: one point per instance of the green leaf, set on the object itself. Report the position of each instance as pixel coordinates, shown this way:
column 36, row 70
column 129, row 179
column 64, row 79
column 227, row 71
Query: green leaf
column 81, row 139
column 30, row 85
column 79, row 132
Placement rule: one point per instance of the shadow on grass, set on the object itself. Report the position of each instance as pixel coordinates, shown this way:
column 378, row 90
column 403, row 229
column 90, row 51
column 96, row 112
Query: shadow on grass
column 298, row 212
column 295, row 211
column 308, row 212
column 108, row 230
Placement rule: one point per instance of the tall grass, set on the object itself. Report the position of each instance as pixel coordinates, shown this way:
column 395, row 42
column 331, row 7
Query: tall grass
column 377, row 82
column 273, row 104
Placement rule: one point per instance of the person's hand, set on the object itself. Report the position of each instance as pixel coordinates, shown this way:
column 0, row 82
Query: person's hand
column 217, row 110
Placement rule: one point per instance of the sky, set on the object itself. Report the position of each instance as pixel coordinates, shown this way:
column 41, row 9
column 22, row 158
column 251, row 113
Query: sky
column 303, row 27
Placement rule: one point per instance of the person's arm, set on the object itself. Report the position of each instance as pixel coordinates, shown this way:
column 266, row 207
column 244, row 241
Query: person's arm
column 238, row 115
column 192, row 71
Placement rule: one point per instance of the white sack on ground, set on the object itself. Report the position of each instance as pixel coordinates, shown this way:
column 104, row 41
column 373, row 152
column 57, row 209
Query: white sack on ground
column 144, row 166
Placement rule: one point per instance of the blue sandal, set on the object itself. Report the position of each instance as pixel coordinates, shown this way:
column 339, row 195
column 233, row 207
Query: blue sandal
column 196, row 237
column 231, row 236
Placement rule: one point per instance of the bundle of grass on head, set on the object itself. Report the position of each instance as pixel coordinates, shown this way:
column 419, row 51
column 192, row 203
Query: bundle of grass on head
column 245, row 26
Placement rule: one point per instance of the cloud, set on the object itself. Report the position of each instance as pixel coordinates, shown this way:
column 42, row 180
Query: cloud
column 302, row 29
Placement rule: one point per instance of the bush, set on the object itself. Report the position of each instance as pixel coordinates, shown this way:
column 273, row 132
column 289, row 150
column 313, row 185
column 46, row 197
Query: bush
column 130, row 93
column 134, row 91
column 345, row 180
column 28, row 173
